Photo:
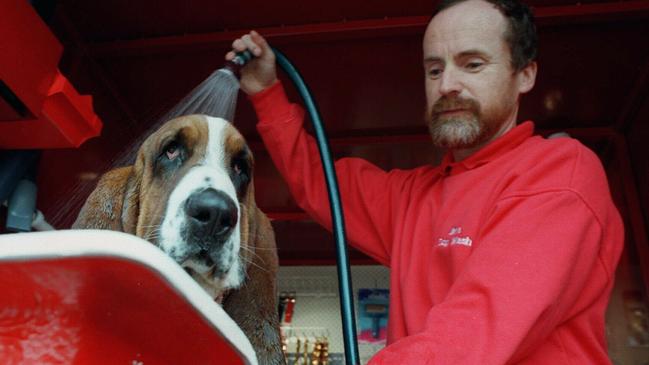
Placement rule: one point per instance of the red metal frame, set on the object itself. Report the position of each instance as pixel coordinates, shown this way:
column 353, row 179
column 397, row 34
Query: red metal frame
column 57, row 115
column 356, row 29
column 636, row 98
column 636, row 228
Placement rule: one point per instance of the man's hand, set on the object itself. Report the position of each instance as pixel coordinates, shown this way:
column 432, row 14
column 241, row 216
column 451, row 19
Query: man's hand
column 260, row 72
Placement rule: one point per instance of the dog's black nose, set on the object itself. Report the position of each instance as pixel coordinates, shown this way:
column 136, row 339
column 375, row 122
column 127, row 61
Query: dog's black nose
column 211, row 212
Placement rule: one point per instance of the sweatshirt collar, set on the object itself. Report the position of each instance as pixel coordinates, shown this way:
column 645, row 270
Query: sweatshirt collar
column 490, row 152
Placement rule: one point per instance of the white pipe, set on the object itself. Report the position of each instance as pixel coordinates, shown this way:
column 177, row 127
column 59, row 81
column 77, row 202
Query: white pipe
column 40, row 224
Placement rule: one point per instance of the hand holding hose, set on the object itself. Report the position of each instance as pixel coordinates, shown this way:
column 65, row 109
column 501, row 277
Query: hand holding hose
column 260, row 72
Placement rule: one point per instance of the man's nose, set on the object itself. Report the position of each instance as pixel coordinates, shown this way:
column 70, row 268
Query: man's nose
column 450, row 82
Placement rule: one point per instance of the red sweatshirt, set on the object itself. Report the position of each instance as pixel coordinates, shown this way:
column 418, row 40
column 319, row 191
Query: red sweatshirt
column 506, row 257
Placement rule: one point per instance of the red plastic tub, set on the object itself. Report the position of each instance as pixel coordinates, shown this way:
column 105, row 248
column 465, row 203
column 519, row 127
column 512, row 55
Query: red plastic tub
column 102, row 297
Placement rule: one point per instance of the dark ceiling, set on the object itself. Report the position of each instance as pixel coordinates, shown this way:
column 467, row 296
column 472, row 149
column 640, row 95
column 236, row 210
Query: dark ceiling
column 362, row 60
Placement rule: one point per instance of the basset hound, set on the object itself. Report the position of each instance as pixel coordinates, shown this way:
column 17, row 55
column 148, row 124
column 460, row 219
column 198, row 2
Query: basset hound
column 190, row 192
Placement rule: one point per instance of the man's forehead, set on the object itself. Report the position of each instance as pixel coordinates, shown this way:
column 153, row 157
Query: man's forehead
column 470, row 23
column 471, row 11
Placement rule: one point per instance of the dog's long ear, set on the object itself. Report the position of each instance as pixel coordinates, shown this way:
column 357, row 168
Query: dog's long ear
column 254, row 305
column 114, row 204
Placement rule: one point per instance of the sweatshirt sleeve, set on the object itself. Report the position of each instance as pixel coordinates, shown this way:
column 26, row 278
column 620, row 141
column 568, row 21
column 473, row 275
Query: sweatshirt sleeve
column 366, row 202
column 535, row 256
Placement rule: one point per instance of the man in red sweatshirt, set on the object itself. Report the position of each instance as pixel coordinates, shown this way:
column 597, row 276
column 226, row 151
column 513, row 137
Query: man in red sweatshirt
column 503, row 254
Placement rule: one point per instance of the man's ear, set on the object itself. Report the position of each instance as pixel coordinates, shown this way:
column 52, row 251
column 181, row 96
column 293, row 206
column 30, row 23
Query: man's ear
column 527, row 78
column 113, row 204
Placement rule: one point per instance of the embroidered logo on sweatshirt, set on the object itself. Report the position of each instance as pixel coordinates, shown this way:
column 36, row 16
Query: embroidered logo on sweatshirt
column 454, row 238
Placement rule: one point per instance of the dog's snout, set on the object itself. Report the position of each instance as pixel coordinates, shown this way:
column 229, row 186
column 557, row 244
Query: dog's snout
column 213, row 211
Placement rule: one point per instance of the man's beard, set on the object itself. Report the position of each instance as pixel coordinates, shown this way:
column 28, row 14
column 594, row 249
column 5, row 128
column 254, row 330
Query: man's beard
column 466, row 129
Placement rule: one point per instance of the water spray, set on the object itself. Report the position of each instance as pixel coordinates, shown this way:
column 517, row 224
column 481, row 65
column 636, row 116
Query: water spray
column 338, row 222
column 215, row 96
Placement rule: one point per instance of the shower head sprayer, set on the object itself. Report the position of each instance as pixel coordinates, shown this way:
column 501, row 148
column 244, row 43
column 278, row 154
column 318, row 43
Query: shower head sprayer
column 240, row 59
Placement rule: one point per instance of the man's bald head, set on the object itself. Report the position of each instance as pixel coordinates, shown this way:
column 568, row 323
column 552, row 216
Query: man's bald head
column 520, row 34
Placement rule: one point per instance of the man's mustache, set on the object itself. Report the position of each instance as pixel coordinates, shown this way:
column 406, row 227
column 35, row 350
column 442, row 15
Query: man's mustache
column 446, row 103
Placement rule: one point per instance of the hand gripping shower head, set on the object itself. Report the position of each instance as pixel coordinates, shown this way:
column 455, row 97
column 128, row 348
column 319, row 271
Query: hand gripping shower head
column 234, row 65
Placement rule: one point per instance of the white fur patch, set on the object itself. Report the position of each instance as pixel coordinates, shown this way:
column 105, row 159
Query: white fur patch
column 211, row 172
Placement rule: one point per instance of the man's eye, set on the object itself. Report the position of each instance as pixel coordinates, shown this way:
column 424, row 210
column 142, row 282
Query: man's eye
column 473, row 66
column 172, row 151
column 435, row 72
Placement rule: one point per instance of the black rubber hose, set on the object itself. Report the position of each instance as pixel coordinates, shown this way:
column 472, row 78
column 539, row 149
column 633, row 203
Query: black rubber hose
column 338, row 222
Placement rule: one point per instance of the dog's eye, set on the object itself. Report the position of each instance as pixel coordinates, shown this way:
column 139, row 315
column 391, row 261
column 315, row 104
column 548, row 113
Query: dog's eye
column 172, row 155
column 240, row 170
column 172, row 151
column 239, row 166
column 236, row 168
